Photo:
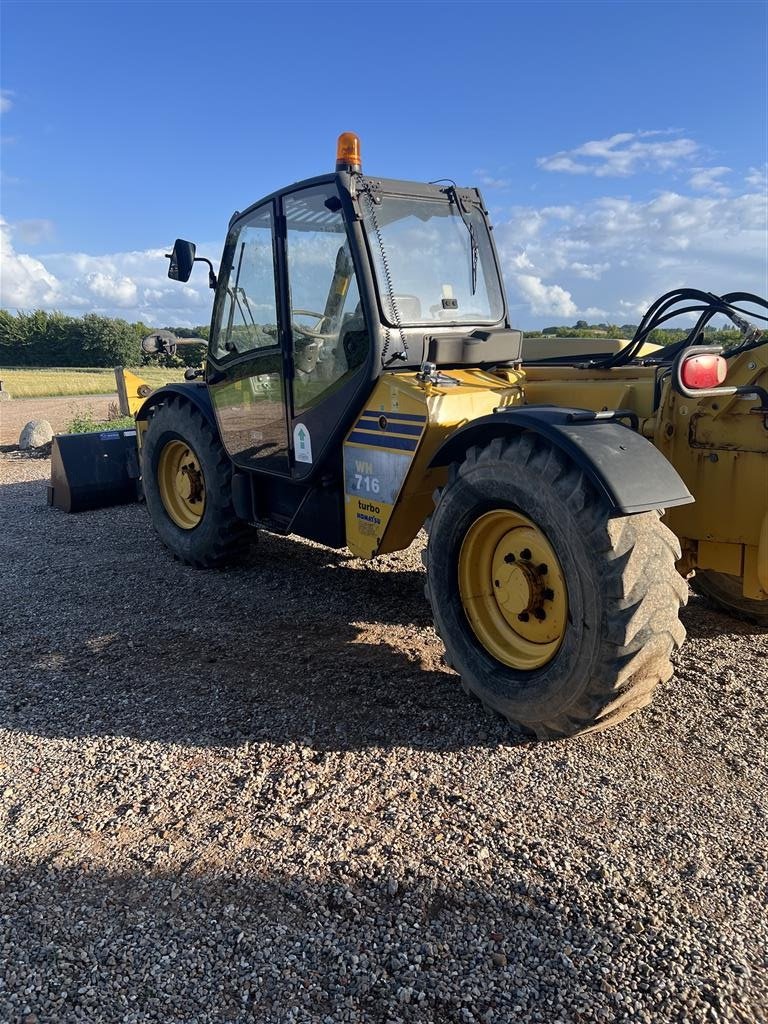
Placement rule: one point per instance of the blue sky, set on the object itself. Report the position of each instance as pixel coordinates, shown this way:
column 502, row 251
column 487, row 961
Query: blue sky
column 621, row 147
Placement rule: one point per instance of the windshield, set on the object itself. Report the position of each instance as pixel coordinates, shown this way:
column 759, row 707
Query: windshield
column 437, row 266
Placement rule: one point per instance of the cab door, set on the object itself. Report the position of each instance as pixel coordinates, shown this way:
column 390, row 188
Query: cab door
column 327, row 333
column 247, row 366
column 290, row 350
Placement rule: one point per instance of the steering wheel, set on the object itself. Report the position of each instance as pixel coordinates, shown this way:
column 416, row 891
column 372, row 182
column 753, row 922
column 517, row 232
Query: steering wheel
column 312, row 332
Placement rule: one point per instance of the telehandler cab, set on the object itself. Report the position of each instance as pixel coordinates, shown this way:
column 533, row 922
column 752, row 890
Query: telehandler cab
column 363, row 381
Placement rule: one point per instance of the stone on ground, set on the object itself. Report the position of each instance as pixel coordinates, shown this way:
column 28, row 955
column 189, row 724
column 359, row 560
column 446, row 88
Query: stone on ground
column 35, row 434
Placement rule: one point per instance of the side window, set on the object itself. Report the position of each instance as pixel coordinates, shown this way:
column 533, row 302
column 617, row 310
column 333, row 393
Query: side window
column 327, row 325
column 247, row 317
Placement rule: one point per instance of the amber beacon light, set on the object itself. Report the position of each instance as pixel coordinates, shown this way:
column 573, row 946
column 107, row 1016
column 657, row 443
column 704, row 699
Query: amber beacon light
column 348, row 152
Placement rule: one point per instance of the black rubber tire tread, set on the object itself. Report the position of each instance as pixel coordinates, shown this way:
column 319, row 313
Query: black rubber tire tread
column 220, row 538
column 724, row 591
column 624, row 591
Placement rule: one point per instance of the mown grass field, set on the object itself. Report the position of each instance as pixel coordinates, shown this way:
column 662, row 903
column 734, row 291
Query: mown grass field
column 50, row 382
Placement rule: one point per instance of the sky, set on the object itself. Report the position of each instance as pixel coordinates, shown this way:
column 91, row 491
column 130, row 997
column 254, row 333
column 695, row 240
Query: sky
column 621, row 147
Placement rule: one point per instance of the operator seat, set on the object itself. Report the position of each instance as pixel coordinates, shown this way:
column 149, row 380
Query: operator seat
column 352, row 346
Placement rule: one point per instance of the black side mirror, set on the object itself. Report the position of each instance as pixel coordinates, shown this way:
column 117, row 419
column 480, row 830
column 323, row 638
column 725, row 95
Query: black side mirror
column 182, row 260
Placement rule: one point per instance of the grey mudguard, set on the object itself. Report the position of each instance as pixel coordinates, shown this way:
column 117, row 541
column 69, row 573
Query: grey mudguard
column 632, row 474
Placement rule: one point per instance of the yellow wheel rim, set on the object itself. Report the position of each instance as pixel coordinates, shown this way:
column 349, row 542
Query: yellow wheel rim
column 182, row 485
column 513, row 589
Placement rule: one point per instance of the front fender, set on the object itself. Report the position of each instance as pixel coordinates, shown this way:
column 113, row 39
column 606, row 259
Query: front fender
column 623, row 465
column 196, row 393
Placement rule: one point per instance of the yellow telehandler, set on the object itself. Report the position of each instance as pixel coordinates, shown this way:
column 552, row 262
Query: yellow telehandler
column 363, row 381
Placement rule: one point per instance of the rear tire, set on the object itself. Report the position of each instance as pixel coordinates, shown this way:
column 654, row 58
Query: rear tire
column 213, row 535
column 725, row 591
column 623, row 591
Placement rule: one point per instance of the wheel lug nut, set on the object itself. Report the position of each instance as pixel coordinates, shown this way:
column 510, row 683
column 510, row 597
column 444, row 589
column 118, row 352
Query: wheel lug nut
column 525, row 553
column 543, row 569
column 549, row 594
column 509, row 559
column 540, row 614
column 523, row 616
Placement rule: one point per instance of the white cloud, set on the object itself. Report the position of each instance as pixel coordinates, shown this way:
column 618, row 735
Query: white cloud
column 636, row 308
column 546, row 299
column 488, row 180
column 32, row 232
column 132, row 285
column 25, row 281
column 591, row 271
column 757, row 177
column 706, row 179
column 520, row 261
column 6, row 100
column 617, row 255
column 622, row 154
column 117, row 291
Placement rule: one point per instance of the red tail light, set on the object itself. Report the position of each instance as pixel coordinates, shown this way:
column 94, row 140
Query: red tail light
column 703, row 371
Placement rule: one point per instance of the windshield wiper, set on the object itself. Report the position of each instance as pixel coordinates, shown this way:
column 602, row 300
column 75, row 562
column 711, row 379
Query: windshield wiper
column 454, row 197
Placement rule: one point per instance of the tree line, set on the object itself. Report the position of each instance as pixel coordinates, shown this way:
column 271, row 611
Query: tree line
column 660, row 336
column 54, row 339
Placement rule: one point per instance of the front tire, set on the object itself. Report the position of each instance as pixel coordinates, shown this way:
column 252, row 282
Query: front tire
column 187, row 481
column 555, row 612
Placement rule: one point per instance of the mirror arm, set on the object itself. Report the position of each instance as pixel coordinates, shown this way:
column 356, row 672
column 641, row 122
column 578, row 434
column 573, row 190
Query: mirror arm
column 212, row 282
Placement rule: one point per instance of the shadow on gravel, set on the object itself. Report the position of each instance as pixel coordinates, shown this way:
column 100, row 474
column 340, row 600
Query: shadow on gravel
column 345, row 695
column 184, row 947
column 105, row 634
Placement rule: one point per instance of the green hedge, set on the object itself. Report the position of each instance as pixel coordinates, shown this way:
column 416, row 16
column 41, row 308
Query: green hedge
column 54, row 339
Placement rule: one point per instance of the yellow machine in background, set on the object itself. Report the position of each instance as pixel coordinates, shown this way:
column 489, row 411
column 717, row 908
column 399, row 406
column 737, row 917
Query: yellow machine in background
column 132, row 391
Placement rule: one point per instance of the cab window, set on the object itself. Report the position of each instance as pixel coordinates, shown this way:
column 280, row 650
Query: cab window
column 328, row 330
column 247, row 317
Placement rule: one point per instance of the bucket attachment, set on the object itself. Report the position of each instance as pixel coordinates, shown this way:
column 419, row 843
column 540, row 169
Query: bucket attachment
column 94, row 470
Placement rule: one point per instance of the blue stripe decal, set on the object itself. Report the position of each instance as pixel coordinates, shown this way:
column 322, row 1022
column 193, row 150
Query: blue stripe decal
column 366, row 423
column 415, row 417
column 382, row 441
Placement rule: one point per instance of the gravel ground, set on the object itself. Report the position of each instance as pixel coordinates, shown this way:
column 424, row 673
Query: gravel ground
column 259, row 795
column 58, row 411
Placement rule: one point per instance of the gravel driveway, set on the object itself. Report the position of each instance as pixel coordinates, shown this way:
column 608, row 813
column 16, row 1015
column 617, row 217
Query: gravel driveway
column 259, row 796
